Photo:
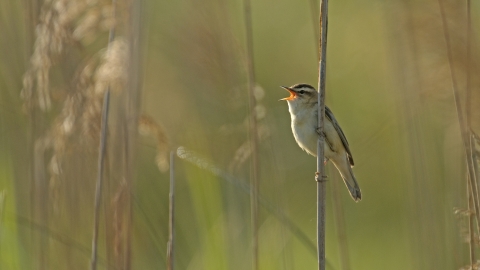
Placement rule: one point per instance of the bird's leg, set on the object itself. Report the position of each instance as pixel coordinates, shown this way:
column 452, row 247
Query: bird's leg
column 319, row 178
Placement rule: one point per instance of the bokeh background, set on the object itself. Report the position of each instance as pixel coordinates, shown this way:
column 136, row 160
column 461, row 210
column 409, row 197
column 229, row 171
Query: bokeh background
column 178, row 76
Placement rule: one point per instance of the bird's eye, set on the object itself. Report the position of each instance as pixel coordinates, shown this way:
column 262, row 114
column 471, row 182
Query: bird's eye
column 301, row 92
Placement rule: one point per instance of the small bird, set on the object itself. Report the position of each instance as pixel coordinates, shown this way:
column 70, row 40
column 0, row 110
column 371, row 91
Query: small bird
column 303, row 108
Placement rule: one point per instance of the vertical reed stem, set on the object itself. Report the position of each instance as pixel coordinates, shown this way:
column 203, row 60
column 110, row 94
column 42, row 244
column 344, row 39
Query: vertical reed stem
column 314, row 14
column 470, row 224
column 468, row 86
column 339, row 215
column 31, row 8
column 131, row 116
column 171, row 216
column 253, row 134
column 2, row 207
column 101, row 158
column 320, row 175
column 337, row 202
column 98, row 192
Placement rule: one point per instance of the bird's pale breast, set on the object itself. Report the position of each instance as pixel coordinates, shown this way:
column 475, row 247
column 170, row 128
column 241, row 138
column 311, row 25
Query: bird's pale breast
column 305, row 133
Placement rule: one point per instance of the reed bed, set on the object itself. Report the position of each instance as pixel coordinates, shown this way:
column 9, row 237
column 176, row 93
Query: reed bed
column 401, row 80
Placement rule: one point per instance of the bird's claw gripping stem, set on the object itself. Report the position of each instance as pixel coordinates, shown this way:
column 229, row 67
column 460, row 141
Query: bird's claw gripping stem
column 319, row 178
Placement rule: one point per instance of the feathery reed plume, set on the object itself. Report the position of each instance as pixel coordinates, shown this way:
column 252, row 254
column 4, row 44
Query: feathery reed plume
column 110, row 74
column 81, row 109
column 51, row 36
column 148, row 126
column 255, row 169
column 320, row 174
column 65, row 30
column 61, row 24
column 112, row 69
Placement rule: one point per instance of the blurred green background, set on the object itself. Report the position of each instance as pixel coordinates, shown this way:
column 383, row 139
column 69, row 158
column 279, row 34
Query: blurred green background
column 389, row 85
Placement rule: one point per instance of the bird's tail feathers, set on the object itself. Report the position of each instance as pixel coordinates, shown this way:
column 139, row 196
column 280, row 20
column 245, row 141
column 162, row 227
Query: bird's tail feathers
column 349, row 178
column 353, row 186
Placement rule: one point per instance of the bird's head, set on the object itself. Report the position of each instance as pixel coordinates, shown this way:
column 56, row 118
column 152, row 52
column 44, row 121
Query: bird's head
column 301, row 94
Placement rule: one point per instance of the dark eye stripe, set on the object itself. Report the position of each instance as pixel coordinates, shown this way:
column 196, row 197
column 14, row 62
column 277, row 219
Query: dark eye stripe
column 307, row 91
column 303, row 85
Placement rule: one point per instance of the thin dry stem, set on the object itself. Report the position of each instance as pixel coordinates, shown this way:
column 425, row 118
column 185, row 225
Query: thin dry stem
column 339, row 216
column 253, row 133
column 2, row 206
column 98, row 192
column 131, row 117
column 337, row 202
column 101, row 157
column 464, row 129
column 471, row 231
column 171, row 215
column 42, row 198
column 119, row 204
column 320, row 176
column 60, row 23
column 469, row 46
column 314, row 14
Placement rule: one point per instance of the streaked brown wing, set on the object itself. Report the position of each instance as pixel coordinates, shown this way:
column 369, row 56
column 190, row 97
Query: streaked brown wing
column 329, row 114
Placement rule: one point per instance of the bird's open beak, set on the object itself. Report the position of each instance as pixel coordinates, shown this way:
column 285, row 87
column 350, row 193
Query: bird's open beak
column 292, row 93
